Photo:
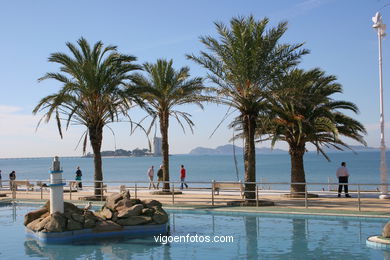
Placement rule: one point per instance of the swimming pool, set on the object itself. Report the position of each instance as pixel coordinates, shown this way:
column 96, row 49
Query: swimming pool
column 258, row 236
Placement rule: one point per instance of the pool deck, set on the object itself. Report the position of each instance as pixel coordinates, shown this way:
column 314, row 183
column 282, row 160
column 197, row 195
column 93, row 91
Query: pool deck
column 326, row 204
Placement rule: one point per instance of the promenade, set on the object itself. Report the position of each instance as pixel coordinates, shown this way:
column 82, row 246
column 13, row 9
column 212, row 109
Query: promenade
column 326, row 203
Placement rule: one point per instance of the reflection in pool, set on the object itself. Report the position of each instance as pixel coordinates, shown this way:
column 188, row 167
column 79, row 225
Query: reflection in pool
column 255, row 237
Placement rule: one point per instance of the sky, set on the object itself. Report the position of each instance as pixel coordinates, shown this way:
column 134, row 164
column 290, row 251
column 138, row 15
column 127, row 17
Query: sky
column 338, row 33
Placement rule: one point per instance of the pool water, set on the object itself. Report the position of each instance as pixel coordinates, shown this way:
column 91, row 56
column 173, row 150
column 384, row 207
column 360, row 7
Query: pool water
column 255, row 236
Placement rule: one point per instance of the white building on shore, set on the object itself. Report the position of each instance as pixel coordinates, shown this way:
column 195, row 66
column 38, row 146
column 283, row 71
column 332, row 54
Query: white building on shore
column 157, row 146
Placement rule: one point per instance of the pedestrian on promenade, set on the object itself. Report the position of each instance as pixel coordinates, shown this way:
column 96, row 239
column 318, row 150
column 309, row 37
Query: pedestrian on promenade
column 78, row 177
column 1, row 182
column 183, row 177
column 150, row 176
column 160, row 174
column 343, row 174
column 12, row 177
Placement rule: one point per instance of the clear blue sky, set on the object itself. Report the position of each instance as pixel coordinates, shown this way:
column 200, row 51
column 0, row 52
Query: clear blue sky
column 338, row 33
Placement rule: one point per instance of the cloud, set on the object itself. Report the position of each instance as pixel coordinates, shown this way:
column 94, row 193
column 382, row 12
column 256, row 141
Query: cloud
column 4, row 110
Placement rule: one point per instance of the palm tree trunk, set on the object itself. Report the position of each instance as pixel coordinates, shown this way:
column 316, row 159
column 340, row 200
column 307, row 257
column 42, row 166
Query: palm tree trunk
column 164, row 125
column 95, row 137
column 297, row 170
column 249, row 156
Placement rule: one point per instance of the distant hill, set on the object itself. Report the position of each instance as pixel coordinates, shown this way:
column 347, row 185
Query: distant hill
column 228, row 149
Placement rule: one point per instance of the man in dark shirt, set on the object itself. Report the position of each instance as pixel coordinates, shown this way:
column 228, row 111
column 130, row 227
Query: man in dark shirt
column 160, row 174
column 78, row 177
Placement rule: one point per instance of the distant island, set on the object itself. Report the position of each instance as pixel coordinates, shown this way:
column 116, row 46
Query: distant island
column 228, row 150
column 123, row 153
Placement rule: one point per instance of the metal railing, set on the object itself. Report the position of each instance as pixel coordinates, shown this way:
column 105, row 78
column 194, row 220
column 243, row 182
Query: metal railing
column 212, row 193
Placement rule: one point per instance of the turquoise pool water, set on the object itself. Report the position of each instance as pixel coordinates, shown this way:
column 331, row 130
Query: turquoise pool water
column 255, row 236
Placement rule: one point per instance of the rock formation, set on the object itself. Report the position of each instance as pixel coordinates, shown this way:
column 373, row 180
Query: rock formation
column 386, row 230
column 118, row 211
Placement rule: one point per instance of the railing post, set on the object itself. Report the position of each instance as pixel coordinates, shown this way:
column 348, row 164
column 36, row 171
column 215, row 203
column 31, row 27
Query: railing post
column 242, row 187
column 70, row 190
column 13, row 192
column 41, row 191
column 257, row 195
column 101, row 191
column 135, row 190
column 359, row 208
column 173, row 193
column 212, row 192
column 306, row 204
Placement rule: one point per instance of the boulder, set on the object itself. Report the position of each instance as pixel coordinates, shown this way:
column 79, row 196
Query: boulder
column 114, row 216
column 33, row 215
column 106, row 226
column 38, row 224
column 113, row 200
column 74, row 225
column 134, row 220
column 69, row 207
column 45, row 215
column 147, row 212
column 57, row 223
column 160, row 216
column 43, row 223
column 89, row 219
column 32, row 225
column 127, row 203
column 106, row 213
column 77, row 217
column 151, row 203
column 386, row 230
column 135, row 210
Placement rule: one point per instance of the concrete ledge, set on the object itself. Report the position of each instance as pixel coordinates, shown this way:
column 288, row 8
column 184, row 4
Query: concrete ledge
column 378, row 242
column 69, row 236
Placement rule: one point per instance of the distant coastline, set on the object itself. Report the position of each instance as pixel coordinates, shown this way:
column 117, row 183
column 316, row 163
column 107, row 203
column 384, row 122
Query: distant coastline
column 119, row 153
column 230, row 149
column 226, row 150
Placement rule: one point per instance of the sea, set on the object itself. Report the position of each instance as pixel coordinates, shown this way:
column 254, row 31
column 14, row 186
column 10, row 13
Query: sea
column 270, row 168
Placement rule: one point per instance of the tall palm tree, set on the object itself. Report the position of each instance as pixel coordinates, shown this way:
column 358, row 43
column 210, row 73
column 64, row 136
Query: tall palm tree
column 301, row 111
column 165, row 88
column 91, row 93
column 242, row 63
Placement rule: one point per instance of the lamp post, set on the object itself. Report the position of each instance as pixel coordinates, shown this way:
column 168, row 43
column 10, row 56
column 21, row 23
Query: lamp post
column 380, row 27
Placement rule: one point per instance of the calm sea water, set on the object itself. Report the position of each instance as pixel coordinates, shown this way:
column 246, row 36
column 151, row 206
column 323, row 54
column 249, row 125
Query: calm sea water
column 255, row 236
column 363, row 166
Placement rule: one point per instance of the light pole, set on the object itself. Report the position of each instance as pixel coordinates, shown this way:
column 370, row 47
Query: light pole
column 380, row 27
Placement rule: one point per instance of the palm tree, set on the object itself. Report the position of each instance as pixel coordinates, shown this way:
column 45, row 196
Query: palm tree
column 242, row 63
column 92, row 93
column 300, row 111
column 165, row 88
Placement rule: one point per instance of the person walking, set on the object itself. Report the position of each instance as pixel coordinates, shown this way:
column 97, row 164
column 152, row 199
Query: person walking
column 183, row 177
column 343, row 174
column 150, row 176
column 78, row 177
column 12, row 177
column 1, row 182
column 160, row 174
